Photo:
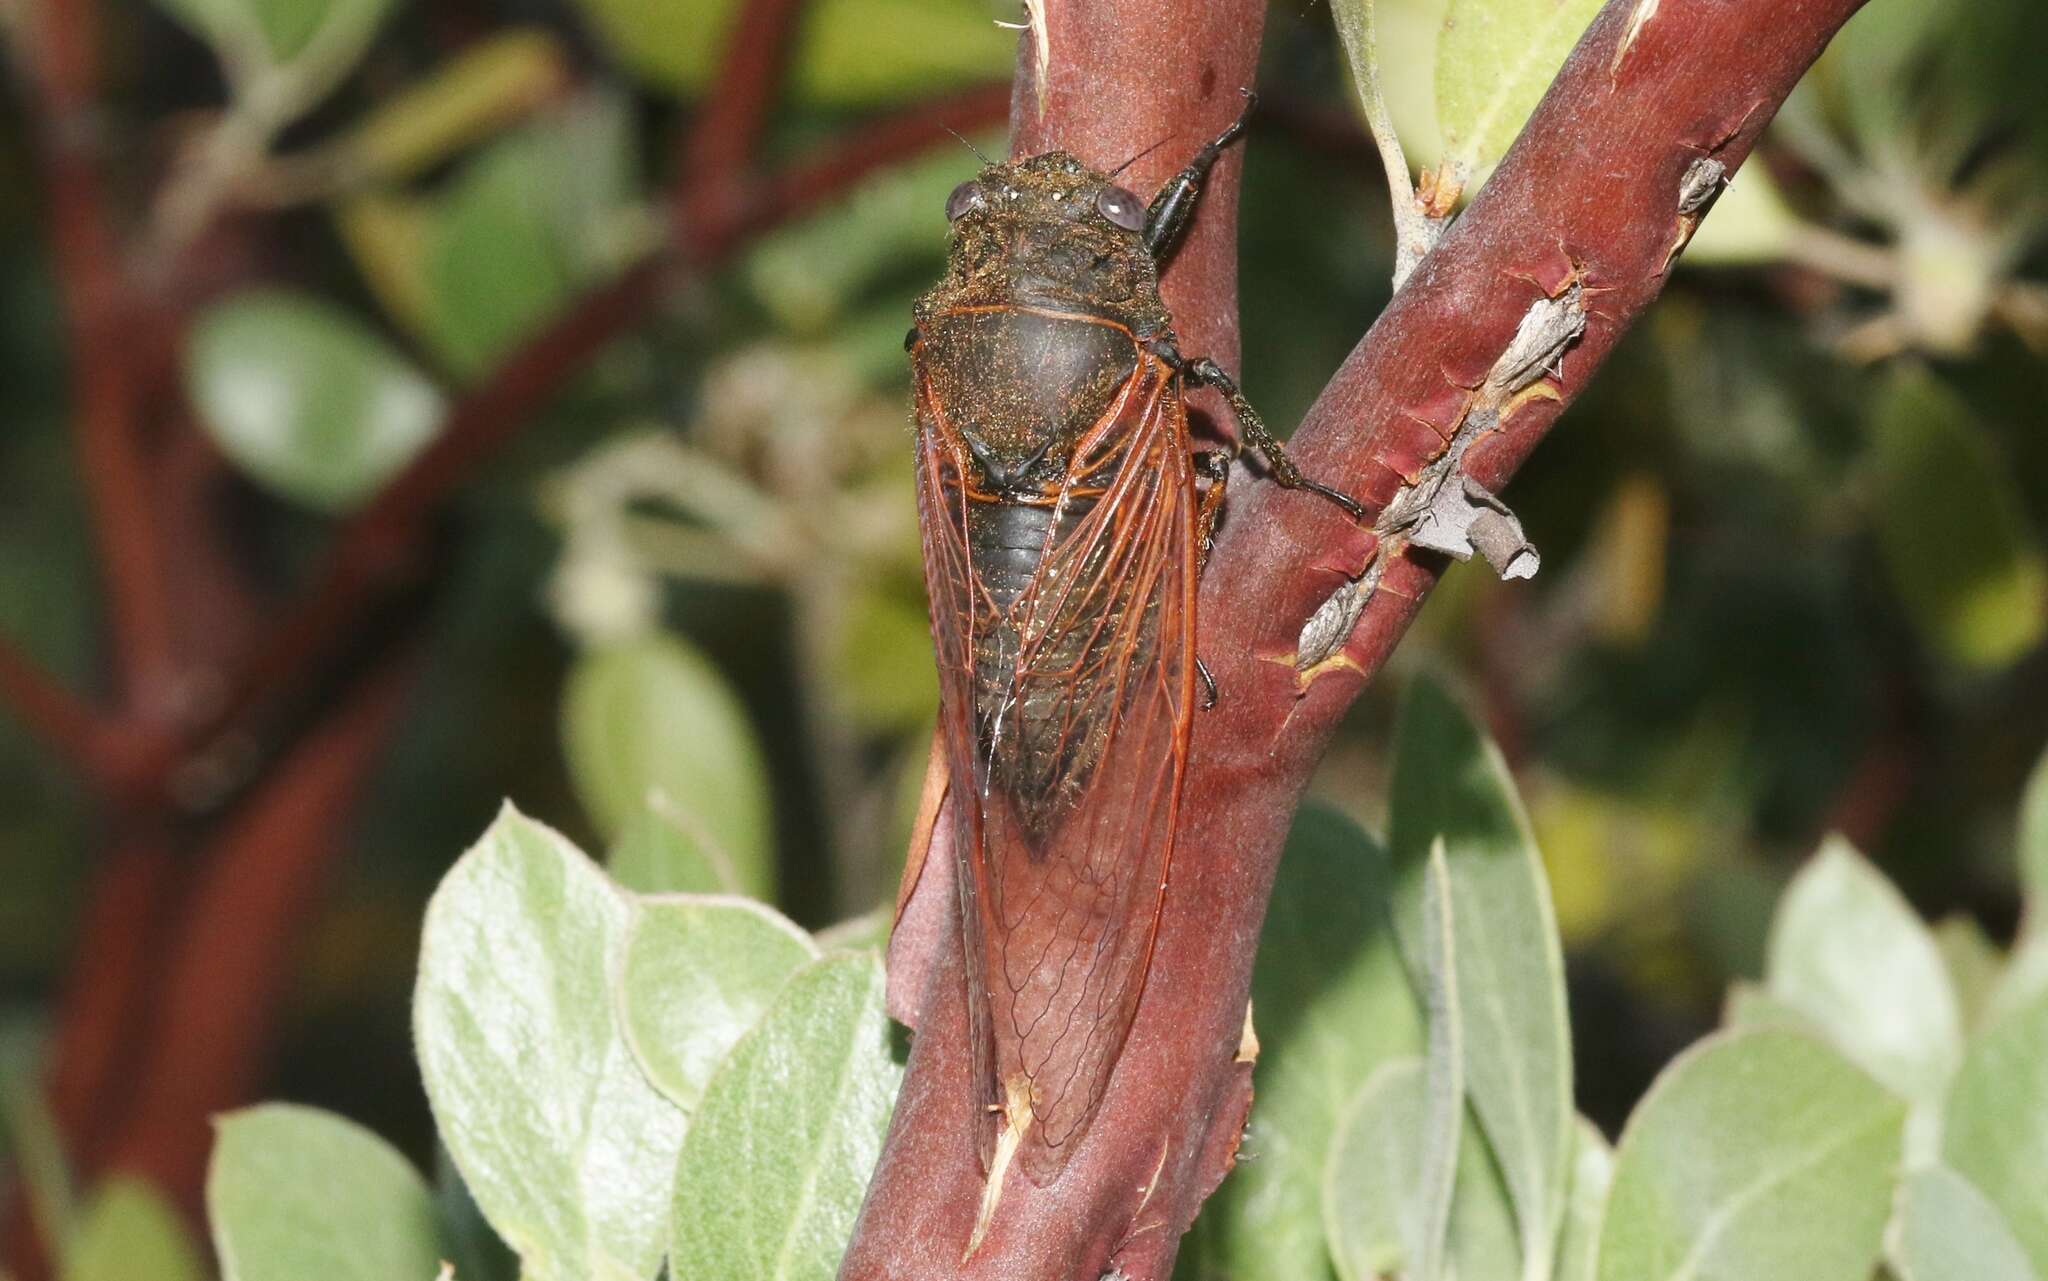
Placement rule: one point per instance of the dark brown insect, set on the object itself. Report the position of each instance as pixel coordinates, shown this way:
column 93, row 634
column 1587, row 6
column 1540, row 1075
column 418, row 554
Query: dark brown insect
column 1063, row 533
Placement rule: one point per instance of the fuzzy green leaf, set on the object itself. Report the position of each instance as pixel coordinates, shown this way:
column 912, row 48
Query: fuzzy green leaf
column 297, row 1194
column 1494, row 61
column 698, row 973
column 1996, row 1134
column 1758, row 1155
column 1330, row 1003
column 1450, row 782
column 565, row 1145
column 780, row 1151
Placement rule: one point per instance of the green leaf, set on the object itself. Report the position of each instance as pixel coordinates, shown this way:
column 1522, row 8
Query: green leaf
column 652, row 716
column 1946, row 1231
column 1848, row 952
column 1973, row 962
column 664, row 851
column 566, row 1147
column 1374, row 1202
column 1749, row 223
column 297, row 1194
column 2025, row 979
column 257, row 35
column 1758, row 1155
column 883, row 659
column 1494, row 60
column 461, row 101
column 1444, row 1062
column 698, row 973
column 1996, row 1131
column 1330, row 1003
column 130, row 1232
column 1951, row 526
column 1449, row 781
column 871, row 52
column 534, row 218
column 1578, row 1247
column 778, row 1156
column 848, row 52
column 1750, row 1005
column 2033, row 850
column 305, row 399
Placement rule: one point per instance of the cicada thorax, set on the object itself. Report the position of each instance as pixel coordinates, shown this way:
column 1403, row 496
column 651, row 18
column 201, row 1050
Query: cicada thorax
column 1033, row 396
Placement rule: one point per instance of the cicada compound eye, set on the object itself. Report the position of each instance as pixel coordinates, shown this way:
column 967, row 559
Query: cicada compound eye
column 966, row 198
column 1121, row 208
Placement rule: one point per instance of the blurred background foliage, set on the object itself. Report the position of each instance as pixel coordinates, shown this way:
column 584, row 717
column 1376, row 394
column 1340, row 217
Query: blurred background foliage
column 1794, row 581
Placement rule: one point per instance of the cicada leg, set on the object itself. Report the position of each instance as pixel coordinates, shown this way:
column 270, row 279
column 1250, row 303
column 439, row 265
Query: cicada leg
column 1168, row 214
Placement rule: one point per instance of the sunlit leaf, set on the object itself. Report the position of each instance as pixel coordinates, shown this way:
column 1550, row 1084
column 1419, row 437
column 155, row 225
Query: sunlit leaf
column 1759, row 1155
column 848, row 52
column 1849, row 954
column 780, row 1150
column 1749, row 223
column 1578, row 1247
column 1996, row 1133
column 1330, row 1003
column 1449, row 781
column 652, row 716
column 1974, row 964
column 1494, row 60
column 297, row 1194
column 1443, row 1109
column 567, row 1148
column 465, row 99
column 306, row 399
column 698, row 973
column 1753, row 1005
column 1373, row 1200
column 1946, row 1231
column 663, row 850
column 1950, row 524
column 128, row 1231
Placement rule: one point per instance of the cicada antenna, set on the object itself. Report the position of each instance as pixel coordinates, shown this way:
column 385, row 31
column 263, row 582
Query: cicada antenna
column 985, row 161
column 1140, row 156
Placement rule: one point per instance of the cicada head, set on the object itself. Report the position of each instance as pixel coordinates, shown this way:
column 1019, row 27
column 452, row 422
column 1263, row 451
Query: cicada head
column 1049, row 231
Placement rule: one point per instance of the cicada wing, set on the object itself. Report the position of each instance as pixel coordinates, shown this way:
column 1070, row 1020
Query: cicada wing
column 961, row 610
column 1076, row 744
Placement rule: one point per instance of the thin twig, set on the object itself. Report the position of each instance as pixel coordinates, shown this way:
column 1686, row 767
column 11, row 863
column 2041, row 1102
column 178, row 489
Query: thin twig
column 48, row 710
column 718, row 148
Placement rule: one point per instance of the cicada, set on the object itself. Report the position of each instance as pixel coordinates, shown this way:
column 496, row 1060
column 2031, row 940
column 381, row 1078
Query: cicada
column 1065, row 516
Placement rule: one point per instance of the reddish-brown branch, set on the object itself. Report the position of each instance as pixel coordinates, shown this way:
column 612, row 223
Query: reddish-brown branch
column 49, row 711
column 1591, row 187
column 100, row 311
column 721, row 142
column 229, row 961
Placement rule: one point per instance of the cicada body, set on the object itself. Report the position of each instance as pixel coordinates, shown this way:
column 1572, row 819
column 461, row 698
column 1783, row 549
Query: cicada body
column 1063, row 528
